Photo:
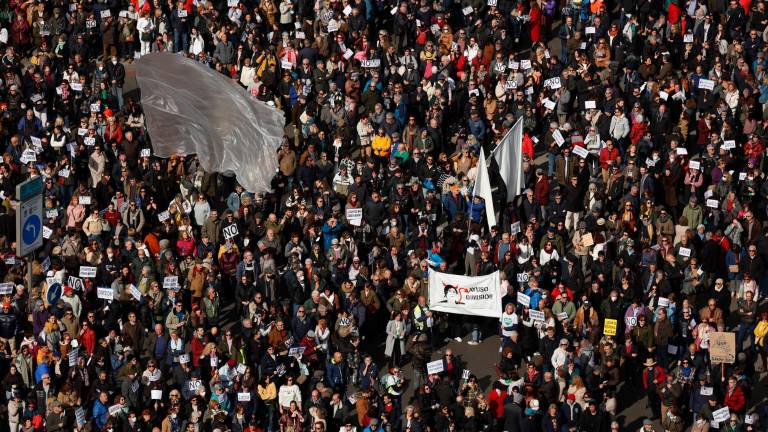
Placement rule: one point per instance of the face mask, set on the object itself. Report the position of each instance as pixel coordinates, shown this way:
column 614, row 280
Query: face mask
column 613, row 298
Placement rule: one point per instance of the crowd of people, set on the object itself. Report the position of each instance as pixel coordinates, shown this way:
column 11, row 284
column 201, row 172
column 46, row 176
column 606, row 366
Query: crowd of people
column 166, row 297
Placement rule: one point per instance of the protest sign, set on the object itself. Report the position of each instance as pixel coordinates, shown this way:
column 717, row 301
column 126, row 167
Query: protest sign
column 722, row 347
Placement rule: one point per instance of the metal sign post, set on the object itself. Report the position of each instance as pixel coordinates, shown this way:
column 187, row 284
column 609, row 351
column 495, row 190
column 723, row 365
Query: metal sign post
column 29, row 221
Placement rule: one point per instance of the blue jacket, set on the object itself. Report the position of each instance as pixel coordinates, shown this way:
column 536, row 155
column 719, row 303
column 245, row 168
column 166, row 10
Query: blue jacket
column 454, row 206
column 330, row 233
column 99, row 412
column 335, row 373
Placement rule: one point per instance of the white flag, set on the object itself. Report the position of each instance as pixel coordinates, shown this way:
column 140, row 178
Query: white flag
column 509, row 157
column 483, row 189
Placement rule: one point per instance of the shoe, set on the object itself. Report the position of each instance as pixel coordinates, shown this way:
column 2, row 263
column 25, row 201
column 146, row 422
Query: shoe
column 457, row 339
column 473, row 343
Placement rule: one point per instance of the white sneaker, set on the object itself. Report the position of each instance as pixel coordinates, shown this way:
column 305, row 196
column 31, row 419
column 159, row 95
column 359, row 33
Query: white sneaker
column 457, row 339
column 473, row 343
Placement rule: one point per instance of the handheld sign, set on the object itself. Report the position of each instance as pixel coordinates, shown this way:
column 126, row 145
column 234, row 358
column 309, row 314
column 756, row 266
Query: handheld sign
column 171, row 282
column 609, row 328
column 435, row 367
column 722, row 347
column 243, row 397
column 355, row 216
column 105, row 293
column 87, row 272
column 523, row 299
column 536, row 315
column 157, row 394
column 230, row 231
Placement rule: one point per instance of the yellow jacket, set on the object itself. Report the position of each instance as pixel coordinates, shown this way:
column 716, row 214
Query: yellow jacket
column 381, row 145
column 760, row 331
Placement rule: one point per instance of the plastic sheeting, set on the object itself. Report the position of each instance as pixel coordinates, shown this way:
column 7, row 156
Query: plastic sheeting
column 191, row 109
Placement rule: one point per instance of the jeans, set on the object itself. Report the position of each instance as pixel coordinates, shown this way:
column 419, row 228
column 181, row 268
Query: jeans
column 551, row 164
column 745, row 330
column 180, row 41
column 117, row 92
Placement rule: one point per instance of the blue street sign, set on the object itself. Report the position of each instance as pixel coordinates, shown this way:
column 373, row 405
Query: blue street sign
column 31, row 230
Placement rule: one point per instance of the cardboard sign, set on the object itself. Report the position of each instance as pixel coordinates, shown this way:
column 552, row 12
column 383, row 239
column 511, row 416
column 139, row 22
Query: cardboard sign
column 105, row 293
column 580, row 152
column 685, row 252
column 72, row 356
column 514, row 228
column 347, row 10
column 631, row 321
column 230, row 231
column 135, row 293
column 467, row 10
column 171, row 282
column 435, row 367
column 28, row 156
column 333, row 26
column 285, row 64
column 664, row 95
column 233, row 3
column 558, row 137
column 372, row 63
column 681, row 151
column 6, row 288
column 713, row 203
column 355, row 216
column 89, row 141
column 562, row 316
column 84, row 200
column 465, row 374
column 721, row 415
column 688, row 38
column 522, row 278
column 76, row 87
column 742, row 176
column 525, row 64
column 590, row 104
column 182, row 13
column 728, row 145
column 722, row 347
column 523, row 299
column 106, row 13
column 80, row 416
column 162, row 216
column 672, row 349
column 609, row 327
column 157, row 394
column 707, row 391
column 706, row 84
column 114, row 409
column 536, row 315
column 146, row 152
column 663, row 302
column 553, row 83
column 75, row 283
column 548, row 104
column 296, row 351
column 87, row 271
column 589, row 30
column 695, row 165
column 243, row 397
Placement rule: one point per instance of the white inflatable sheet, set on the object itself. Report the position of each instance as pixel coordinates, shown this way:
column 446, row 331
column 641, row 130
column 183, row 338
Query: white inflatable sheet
column 191, row 109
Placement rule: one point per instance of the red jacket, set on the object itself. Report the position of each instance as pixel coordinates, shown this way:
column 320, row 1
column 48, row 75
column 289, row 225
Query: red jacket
column 734, row 400
column 541, row 191
column 661, row 376
column 496, row 403
column 608, row 155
